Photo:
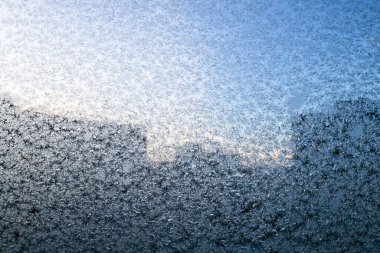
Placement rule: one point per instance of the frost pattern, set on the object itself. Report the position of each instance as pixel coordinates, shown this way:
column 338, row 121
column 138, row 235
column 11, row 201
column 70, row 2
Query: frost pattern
column 225, row 72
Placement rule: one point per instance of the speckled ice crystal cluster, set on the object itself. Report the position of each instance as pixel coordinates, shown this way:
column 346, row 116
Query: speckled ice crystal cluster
column 76, row 185
column 225, row 72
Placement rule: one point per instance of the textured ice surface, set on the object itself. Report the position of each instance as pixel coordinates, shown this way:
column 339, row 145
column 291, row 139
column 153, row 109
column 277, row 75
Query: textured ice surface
column 81, row 186
column 226, row 72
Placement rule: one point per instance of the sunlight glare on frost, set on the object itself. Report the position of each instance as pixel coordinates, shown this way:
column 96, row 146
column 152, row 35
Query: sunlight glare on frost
column 224, row 73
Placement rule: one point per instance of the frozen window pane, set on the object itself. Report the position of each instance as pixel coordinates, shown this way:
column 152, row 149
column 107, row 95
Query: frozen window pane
column 189, row 125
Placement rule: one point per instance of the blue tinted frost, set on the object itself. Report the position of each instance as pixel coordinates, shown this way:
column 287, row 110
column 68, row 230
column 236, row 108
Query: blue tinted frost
column 215, row 72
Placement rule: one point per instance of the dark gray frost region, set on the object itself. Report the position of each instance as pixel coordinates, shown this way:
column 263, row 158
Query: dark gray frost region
column 82, row 186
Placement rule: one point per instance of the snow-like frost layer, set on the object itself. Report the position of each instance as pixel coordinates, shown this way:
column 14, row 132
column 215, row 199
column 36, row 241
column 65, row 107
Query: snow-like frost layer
column 231, row 72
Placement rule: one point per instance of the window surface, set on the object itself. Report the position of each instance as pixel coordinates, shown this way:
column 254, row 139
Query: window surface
column 205, row 126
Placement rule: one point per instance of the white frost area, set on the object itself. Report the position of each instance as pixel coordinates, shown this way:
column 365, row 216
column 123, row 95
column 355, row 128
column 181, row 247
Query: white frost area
column 225, row 72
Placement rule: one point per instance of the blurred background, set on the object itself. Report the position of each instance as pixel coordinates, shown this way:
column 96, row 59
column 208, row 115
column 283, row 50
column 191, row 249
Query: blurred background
column 219, row 73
